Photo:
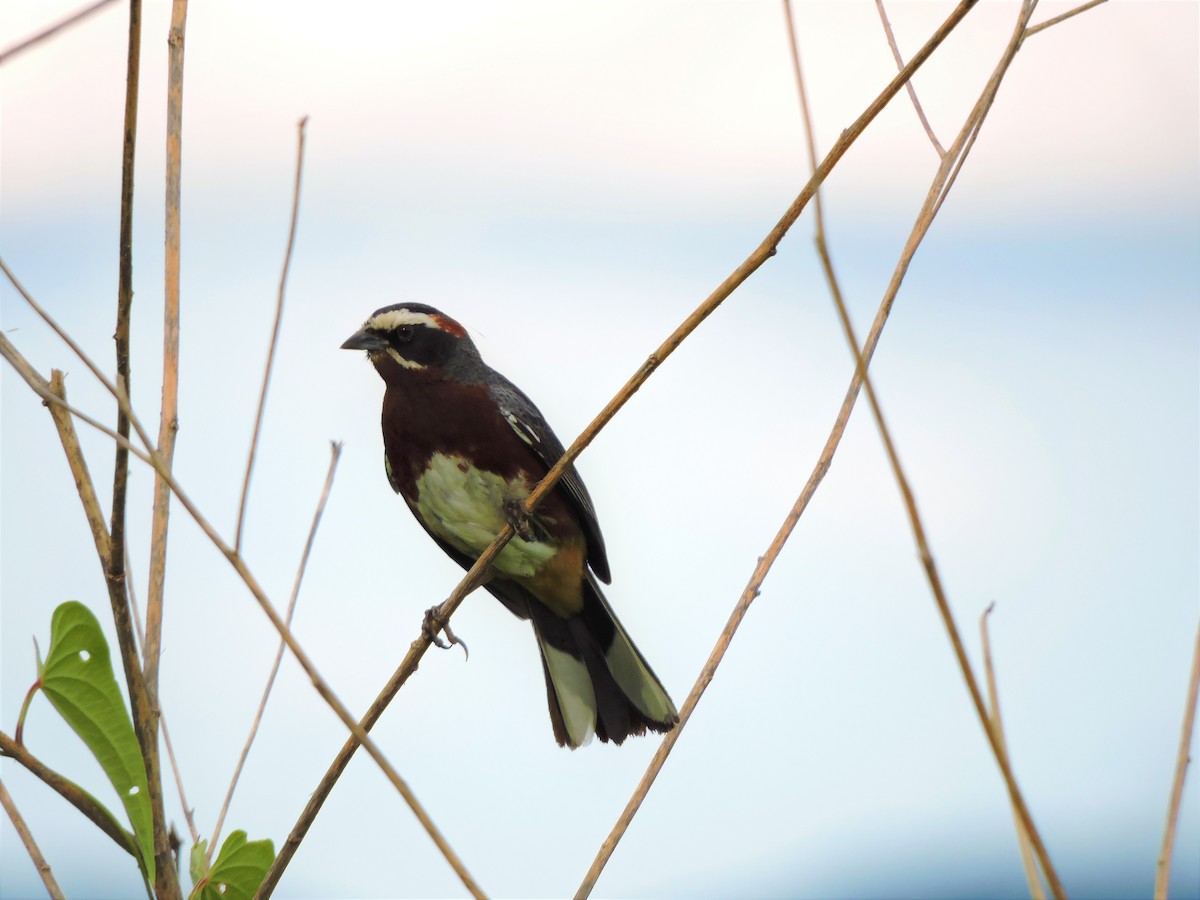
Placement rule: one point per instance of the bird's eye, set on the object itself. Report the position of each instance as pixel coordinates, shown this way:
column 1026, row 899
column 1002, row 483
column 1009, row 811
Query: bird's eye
column 405, row 333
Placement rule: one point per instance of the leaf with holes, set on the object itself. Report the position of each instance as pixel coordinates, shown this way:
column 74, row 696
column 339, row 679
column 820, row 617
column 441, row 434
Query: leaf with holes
column 77, row 678
column 238, row 870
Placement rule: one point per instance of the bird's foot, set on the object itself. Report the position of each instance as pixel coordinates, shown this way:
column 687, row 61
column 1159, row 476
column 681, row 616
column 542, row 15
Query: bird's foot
column 433, row 623
column 520, row 519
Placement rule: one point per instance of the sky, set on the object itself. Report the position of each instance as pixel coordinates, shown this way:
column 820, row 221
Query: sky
column 570, row 181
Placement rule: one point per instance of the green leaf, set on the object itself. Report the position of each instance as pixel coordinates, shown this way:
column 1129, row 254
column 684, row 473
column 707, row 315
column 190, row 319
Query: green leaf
column 196, row 863
column 77, row 678
column 237, row 871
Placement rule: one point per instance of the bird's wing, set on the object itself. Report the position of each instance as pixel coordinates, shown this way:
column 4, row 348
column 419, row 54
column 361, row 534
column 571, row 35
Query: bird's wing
column 531, row 427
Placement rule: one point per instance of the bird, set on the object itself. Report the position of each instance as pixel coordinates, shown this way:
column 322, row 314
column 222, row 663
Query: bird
column 464, row 447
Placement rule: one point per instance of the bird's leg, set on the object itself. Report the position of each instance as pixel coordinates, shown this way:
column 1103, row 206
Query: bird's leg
column 433, row 623
column 522, row 521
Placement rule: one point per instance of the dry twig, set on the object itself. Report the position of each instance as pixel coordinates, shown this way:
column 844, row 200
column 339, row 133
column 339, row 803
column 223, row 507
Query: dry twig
column 31, row 846
column 335, row 455
column 152, row 458
column 1162, row 877
column 912, row 91
column 262, row 397
column 1036, row 892
column 477, row 573
column 767, row 560
column 69, row 791
column 75, row 17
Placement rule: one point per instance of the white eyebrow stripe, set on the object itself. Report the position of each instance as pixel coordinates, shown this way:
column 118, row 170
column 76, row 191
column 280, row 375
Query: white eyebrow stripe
column 394, row 318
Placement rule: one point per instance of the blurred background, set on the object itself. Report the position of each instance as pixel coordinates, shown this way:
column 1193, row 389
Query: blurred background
column 570, row 181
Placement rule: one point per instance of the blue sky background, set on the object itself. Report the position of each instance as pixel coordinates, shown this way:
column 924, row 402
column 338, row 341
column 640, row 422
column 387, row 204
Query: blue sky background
column 570, row 182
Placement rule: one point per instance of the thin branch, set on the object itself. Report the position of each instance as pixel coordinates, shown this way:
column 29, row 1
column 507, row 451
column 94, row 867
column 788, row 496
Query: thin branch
column 168, row 425
column 912, row 91
column 114, row 561
column 1162, row 877
column 477, row 573
column 118, row 394
column 1036, row 891
column 1034, row 29
column 152, row 458
column 52, row 30
column 951, row 164
column 188, row 812
column 765, row 562
column 262, row 397
column 335, row 455
column 164, row 870
column 31, row 846
column 71, row 792
column 79, row 470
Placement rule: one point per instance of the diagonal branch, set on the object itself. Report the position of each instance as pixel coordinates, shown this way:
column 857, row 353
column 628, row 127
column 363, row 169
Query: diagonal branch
column 71, row 792
column 1036, row 892
column 951, row 164
column 262, row 397
column 308, row 544
column 912, row 91
column 50, row 31
column 477, row 573
column 31, row 846
column 1162, row 878
column 152, row 458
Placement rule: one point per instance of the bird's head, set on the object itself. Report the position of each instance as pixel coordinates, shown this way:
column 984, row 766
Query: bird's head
column 412, row 337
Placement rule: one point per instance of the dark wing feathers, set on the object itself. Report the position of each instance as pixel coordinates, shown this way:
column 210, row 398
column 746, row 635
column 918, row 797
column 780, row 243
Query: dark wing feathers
column 531, row 427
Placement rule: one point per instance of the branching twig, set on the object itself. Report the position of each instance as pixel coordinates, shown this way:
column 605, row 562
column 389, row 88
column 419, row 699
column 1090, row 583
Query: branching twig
column 1036, row 891
column 951, row 164
column 77, row 16
column 1034, row 29
column 31, row 846
column 767, row 560
column 262, row 397
column 151, row 456
column 308, row 544
column 71, row 792
column 477, row 572
column 912, row 91
column 1162, row 877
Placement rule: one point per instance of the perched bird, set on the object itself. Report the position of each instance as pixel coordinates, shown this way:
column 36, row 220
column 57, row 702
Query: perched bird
column 464, row 447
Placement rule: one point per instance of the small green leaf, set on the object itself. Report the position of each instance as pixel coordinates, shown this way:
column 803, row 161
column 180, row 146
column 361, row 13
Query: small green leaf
column 237, row 871
column 77, row 679
column 196, row 863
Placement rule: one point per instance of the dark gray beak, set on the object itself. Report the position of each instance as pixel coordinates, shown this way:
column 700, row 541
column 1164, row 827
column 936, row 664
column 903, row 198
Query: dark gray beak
column 365, row 340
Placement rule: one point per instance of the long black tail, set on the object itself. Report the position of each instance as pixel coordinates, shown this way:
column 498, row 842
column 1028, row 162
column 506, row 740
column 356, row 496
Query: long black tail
column 596, row 680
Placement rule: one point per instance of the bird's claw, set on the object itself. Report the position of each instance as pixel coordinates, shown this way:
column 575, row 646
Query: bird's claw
column 433, row 623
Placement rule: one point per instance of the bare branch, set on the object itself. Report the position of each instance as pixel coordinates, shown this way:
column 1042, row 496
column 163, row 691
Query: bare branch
column 79, row 470
column 767, row 560
column 188, row 815
column 1034, row 29
column 71, row 792
column 262, row 397
column 75, row 17
column 1036, row 891
column 477, row 573
column 1162, row 877
column 31, row 846
column 152, row 458
column 912, row 91
column 308, row 544
column 114, row 562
